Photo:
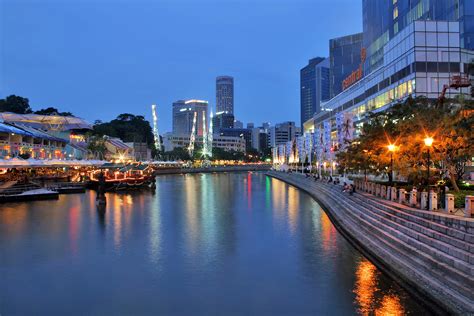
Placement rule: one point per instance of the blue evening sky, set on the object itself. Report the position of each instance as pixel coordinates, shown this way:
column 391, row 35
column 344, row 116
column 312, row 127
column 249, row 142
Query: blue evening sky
column 100, row 58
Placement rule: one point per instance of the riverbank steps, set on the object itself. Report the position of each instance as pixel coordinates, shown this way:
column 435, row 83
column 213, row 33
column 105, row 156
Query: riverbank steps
column 431, row 255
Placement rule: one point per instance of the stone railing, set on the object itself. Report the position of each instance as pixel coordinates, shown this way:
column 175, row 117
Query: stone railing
column 422, row 200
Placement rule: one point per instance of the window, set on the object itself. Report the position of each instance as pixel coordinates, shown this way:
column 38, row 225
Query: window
column 395, row 13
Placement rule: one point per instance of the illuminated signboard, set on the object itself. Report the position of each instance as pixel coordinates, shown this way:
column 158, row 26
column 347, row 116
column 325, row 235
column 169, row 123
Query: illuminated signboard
column 357, row 74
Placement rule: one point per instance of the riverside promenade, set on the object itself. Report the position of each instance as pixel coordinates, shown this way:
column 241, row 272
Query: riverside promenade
column 429, row 253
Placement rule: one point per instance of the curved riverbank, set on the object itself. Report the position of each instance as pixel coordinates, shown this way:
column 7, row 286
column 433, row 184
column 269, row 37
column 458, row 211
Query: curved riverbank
column 263, row 167
column 429, row 257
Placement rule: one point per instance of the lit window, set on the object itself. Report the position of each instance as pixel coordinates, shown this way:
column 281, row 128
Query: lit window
column 395, row 1
column 395, row 13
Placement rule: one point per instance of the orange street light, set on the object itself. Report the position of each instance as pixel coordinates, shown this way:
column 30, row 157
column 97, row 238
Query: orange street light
column 428, row 143
column 391, row 149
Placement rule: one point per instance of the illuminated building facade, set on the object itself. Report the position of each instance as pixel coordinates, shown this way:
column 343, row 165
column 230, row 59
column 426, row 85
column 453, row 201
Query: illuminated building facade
column 225, row 94
column 383, row 20
column 223, row 120
column 314, row 87
column 228, row 143
column 183, row 115
column 418, row 61
column 344, row 59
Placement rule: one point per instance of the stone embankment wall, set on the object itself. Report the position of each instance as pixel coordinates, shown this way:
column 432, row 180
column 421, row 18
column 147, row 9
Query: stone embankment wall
column 429, row 253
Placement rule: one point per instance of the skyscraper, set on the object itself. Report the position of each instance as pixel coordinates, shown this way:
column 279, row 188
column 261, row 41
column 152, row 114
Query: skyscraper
column 344, row 55
column 222, row 120
column 183, row 116
column 225, row 94
column 314, row 87
column 382, row 20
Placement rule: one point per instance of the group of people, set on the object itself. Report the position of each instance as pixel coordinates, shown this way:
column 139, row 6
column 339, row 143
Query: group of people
column 347, row 188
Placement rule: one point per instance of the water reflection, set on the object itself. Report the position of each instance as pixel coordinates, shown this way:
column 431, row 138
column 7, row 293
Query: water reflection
column 202, row 244
column 369, row 297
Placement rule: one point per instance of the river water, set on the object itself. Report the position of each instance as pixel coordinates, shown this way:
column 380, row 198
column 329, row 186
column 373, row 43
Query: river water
column 205, row 244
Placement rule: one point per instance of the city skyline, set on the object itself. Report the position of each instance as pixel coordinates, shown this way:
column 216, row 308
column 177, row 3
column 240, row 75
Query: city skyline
column 98, row 71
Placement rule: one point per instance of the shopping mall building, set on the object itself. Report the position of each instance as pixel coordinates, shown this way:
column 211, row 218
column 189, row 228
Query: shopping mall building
column 410, row 48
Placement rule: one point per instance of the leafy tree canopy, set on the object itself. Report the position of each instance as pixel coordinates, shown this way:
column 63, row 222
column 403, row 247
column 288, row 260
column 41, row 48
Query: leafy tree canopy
column 53, row 111
column 15, row 104
column 129, row 128
column 405, row 125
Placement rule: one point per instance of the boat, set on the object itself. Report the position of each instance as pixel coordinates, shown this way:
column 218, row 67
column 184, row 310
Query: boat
column 120, row 177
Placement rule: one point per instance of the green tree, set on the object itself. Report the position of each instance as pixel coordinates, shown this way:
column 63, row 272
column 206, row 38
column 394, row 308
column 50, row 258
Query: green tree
column 15, row 104
column 405, row 125
column 129, row 128
column 52, row 111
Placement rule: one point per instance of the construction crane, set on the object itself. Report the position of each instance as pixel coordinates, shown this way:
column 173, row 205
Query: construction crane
column 456, row 82
column 192, row 138
column 156, row 135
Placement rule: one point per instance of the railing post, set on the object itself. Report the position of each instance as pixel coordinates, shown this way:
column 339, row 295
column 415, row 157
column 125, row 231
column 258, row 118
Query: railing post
column 449, row 203
column 424, row 200
column 383, row 191
column 469, row 205
column 433, row 201
column 393, row 194
column 413, row 196
column 401, row 196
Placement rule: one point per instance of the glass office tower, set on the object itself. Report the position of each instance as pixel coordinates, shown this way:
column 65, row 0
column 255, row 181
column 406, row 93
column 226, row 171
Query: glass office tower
column 382, row 20
column 344, row 56
column 314, row 87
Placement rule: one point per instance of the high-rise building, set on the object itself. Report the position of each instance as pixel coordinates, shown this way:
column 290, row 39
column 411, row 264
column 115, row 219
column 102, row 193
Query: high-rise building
column 222, row 120
column 344, row 58
column 225, row 94
column 243, row 133
column 238, row 124
column 283, row 132
column 314, row 87
column 183, row 116
column 382, row 20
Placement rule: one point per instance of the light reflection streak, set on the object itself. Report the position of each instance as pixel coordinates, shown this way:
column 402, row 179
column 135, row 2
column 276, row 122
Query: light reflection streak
column 192, row 221
column 328, row 233
column 249, row 190
column 293, row 208
column 155, row 229
column 368, row 293
column 74, row 213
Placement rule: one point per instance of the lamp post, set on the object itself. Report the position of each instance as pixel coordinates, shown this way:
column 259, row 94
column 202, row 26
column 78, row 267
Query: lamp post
column 428, row 143
column 391, row 149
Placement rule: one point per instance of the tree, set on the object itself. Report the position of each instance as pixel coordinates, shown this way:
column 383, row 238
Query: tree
column 96, row 146
column 406, row 125
column 178, row 153
column 15, row 104
column 129, row 128
column 52, row 111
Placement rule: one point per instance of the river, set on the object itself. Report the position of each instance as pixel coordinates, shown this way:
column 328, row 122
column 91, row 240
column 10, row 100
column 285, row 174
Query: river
column 202, row 244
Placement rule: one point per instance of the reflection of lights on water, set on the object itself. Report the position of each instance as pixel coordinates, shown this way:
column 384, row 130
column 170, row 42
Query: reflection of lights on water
column 267, row 192
column 293, row 208
column 73, row 228
column 249, row 190
column 328, row 232
column 390, row 305
column 366, row 290
column 365, row 287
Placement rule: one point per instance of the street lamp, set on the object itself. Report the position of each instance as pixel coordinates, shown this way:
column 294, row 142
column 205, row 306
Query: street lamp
column 428, row 143
column 391, row 149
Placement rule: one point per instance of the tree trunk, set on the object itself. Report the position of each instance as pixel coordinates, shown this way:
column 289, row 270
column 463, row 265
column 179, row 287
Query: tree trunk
column 452, row 178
